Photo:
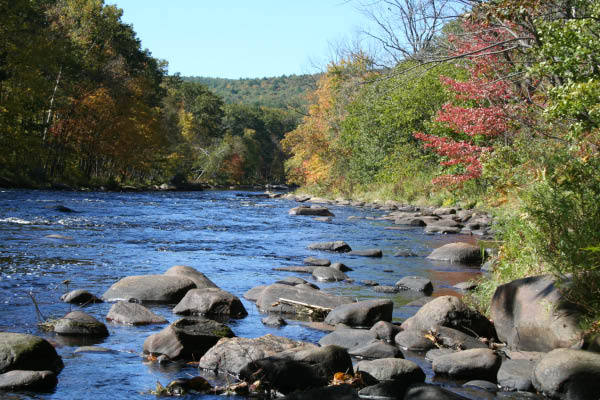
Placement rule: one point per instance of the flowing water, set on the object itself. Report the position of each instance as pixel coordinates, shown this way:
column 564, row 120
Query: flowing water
column 236, row 238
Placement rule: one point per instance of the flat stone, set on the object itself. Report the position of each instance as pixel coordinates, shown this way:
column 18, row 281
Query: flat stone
column 273, row 320
column 430, row 392
column 150, row 288
column 268, row 301
column 210, row 301
column 387, row 289
column 312, row 211
column 254, row 293
column 366, row 253
column 348, row 338
column 435, row 353
column 340, row 267
column 35, row 381
column 465, row 286
column 338, row 246
column 416, row 283
column 441, row 229
column 480, row 384
column 368, row 282
column 93, row 349
column 376, row 349
column 468, row 364
column 319, row 262
column 405, row 253
column 385, row 390
column 133, row 314
column 328, row 274
column 413, row 340
column 516, row 375
column 385, row 369
column 361, row 314
column 300, row 269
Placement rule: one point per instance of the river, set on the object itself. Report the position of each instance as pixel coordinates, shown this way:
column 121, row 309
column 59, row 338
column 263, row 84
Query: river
column 236, row 238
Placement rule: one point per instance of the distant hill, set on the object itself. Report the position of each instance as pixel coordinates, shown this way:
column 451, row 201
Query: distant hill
column 277, row 92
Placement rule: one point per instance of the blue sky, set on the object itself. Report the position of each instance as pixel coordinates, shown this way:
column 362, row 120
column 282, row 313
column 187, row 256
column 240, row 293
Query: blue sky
column 241, row 38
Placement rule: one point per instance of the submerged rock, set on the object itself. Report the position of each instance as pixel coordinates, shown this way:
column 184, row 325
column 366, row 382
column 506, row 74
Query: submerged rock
column 133, row 314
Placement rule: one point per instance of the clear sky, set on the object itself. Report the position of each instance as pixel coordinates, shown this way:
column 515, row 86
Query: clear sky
column 241, row 38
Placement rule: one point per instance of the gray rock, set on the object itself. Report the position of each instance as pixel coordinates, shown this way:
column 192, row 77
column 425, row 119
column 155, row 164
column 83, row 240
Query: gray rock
column 292, row 280
column 368, row 282
column 361, row 314
column 464, row 253
column 273, row 320
column 299, row 269
column 233, row 354
column 455, row 339
column 271, row 295
column 413, row 340
column 366, row 253
column 196, row 276
column 328, row 274
column 447, row 223
column 376, row 349
column 35, row 381
column 568, row 374
column 133, row 314
column 340, row 267
column 150, row 288
column 468, row 364
column 442, row 211
column 319, row 262
column 416, row 283
column 79, row 296
column 20, row 351
column 387, row 369
column 322, row 219
column 430, row 392
column 405, row 253
column 93, row 349
column 483, row 385
column 312, row 211
column 516, row 375
column 186, row 339
column 435, row 353
column 530, row 314
column 254, row 293
column 465, row 286
column 410, row 221
column 337, row 392
column 326, row 360
column 441, row 229
column 385, row 331
column 338, row 246
column 78, row 323
column 210, row 301
column 348, row 338
column 386, row 289
column 385, row 390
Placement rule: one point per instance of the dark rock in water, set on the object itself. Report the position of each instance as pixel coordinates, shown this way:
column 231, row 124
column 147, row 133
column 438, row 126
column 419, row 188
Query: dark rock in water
column 326, row 360
column 531, row 314
column 432, row 354
column 386, row 289
column 80, row 296
column 416, row 283
column 366, row 253
column 430, row 392
column 387, row 369
column 34, row 381
column 254, row 293
column 441, row 229
column 465, row 286
column 568, row 374
column 233, row 354
column 413, row 340
column 405, row 253
column 273, row 320
column 150, row 288
column 319, row 262
column 468, row 364
column 186, row 339
column 20, row 351
column 368, row 282
column 285, row 376
column 210, row 301
column 464, row 253
column 484, row 385
column 452, row 312
column 337, row 392
column 269, row 299
column 63, row 209
column 312, row 211
column 516, row 375
column 385, row 331
column 196, row 276
column 361, row 314
column 456, row 339
column 348, row 338
column 376, row 349
column 338, row 246
column 127, row 313
column 340, row 267
column 78, row 323
column 410, row 221
column 385, row 390
column 328, row 274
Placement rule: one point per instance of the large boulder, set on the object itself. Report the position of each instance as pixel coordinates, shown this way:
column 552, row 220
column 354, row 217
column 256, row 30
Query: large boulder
column 362, row 314
column 28, row 380
column 348, row 338
column 464, row 253
column 468, row 364
column 313, row 211
column 337, row 246
column 78, row 323
column 530, row 314
column 328, row 274
column 150, row 288
column 282, row 375
column 272, row 299
column 568, row 374
column 232, row 354
column 452, row 312
column 210, row 301
column 80, row 296
column 186, row 339
column 196, row 276
column 123, row 312
column 20, row 351
column 386, row 369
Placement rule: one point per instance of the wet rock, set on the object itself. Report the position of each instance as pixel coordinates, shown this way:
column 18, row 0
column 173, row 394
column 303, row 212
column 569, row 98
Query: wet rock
column 410, row 221
column 432, row 354
column 319, row 262
column 386, row 289
column 452, row 312
column 361, row 314
column 269, row 299
column 443, row 211
column 483, row 385
column 20, row 351
column 196, row 276
column 150, row 288
column 568, row 374
column 387, row 369
column 299, row 269
column 328, row 274
column 416, row 283
column 233, row 354
column 376, row 349
column 468, row 364
column 312, row 211
column 375, row 253
column 340, row 267
column 285, row 376
column 430, row 392
column 385, row 331
column 254, row 293
column 63, row 209
column 465, row 286
column 445, row 230
column 35, row 381
column 348, row 338
column 337, row 392
column 531, row 314
column 93, row 349
column 338, row 246
column 186, row 339
column 368, row 282
column 326, row 360
column 464, row 253
column 516, row 375
column 446, row 223
column 456, row 339
column 405, row 253
column 79, row 296
column 133, row 314
column 413, row 340
column 78, row 323
column 210, row 301
column 293, row 281
column 273, row 320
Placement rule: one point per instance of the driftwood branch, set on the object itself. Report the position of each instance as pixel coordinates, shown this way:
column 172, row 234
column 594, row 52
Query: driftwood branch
column 301, row 304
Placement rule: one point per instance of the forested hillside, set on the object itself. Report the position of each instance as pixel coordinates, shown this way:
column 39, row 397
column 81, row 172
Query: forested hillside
column 278, row 92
